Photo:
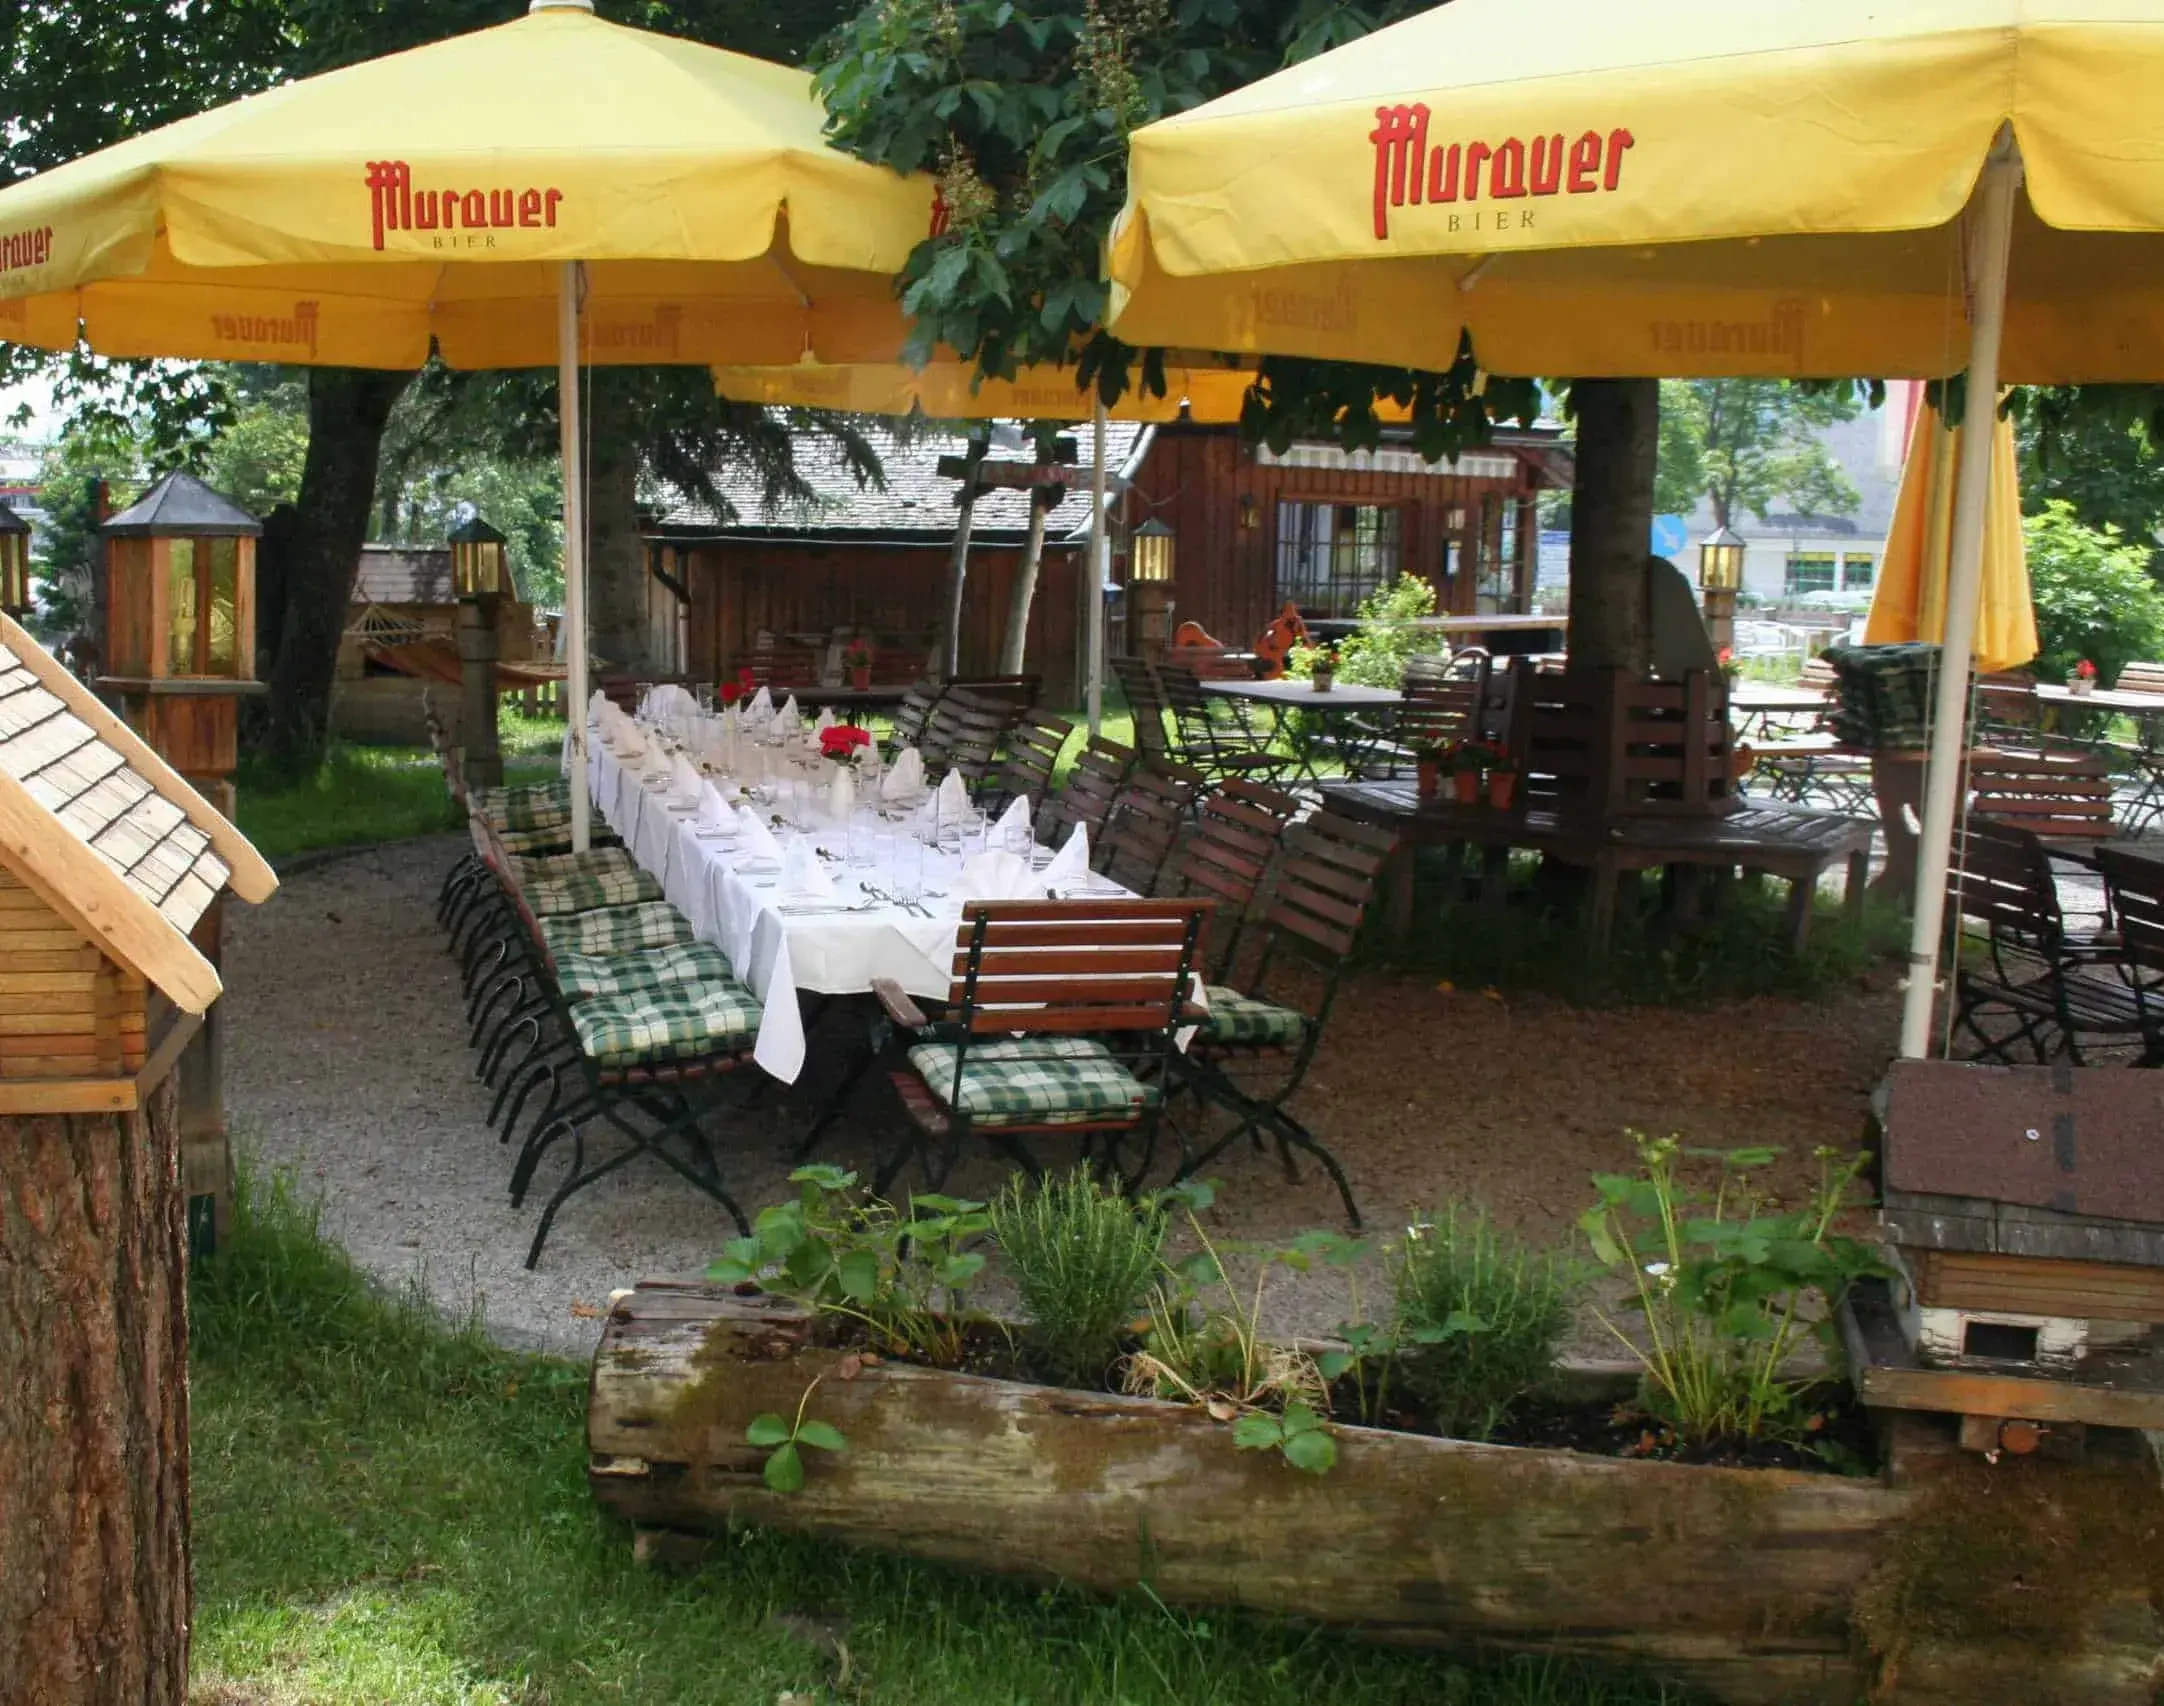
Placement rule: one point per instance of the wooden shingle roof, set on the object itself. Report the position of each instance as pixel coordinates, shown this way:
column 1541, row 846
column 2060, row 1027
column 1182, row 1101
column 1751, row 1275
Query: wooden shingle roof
column 105, row 831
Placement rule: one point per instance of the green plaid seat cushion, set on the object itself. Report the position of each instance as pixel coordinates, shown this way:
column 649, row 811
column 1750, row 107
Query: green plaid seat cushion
column 545, row 805
column 545, row 843
column 615, row 930
column 687, row 1022
column 1033, row 1081
column 1237, row 1018
column 584, row 976
column 594, row 862
column 586, row 891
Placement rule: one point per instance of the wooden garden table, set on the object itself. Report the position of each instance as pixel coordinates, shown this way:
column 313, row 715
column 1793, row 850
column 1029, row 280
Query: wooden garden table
column 1339, row 711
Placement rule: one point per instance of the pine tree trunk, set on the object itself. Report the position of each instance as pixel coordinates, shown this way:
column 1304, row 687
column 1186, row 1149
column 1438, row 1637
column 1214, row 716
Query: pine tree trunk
column 94, row 1427
column 1016, row 646
column 347, row 410
column 1611, row 522
column 616, row 556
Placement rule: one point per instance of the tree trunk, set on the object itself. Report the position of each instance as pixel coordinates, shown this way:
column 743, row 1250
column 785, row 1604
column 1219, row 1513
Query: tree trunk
column 616, row 557
column 347, row 410
column 950, row 638
column 94, row 1429
column 1016, row 646
column 1611, row 522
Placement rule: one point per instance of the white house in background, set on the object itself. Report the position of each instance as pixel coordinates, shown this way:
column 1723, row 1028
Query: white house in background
column 1797, row 560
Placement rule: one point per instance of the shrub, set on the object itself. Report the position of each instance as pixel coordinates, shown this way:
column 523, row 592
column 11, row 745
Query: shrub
column 2095, row 597
column 1375, row 653
column 1082, row 1257
column 1479, row 1316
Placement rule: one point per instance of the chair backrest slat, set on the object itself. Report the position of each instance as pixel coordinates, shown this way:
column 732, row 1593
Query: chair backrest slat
column 914, row 712
column 1325, row 884
column 2001, row 876
column 2059, row 795
column 1100, row 770
column 1033, row 746
column 1146, row 699
column 1023, row 968
column 2141, row 678
column 1145, row 823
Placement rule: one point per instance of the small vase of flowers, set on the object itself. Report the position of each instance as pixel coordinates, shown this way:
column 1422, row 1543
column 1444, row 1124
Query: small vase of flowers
column 2083, row 681
column 842, row 746
column 1323, row 675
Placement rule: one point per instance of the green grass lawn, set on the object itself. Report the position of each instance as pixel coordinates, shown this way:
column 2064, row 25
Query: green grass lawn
column 391, row 1513
column 360, row 794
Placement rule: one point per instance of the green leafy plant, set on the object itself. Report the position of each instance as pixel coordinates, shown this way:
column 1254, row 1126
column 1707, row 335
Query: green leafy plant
column 1204, row 1344
column 1083, row 1257
column 1479, row 1316
column 1720, row 1281
column 784, row 1470
column 1299, row 1433
column 2095, row 598
column 1376, row 652
column 903, row 1275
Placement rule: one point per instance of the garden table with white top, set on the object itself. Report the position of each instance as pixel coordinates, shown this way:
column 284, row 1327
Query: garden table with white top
column 1354, row 720
column 2146, row 754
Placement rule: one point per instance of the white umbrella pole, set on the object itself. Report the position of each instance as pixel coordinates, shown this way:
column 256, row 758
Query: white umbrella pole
column 1964, row 588
column 575, row 686
column 1096, row 574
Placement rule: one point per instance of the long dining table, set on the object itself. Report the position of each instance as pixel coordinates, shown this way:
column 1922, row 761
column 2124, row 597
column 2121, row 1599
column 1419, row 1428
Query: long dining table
column 780, row 943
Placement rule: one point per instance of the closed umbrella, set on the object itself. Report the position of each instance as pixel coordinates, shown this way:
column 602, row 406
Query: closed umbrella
column 553, row 190
column 1793, row 188
column 1909, row 601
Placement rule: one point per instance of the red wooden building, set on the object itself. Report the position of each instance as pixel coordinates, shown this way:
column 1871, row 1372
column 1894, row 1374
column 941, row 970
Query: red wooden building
column 1318, row 526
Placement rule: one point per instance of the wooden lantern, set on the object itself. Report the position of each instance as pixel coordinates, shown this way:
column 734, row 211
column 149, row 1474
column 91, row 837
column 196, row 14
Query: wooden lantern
column 180, row 624
column 478, row 565
column 14, row 563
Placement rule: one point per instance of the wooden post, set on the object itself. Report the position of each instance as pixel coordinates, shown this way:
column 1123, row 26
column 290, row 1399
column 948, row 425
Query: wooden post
column 94, row 1601
column 206, row 1149
column 477, row 648
column 950, row 639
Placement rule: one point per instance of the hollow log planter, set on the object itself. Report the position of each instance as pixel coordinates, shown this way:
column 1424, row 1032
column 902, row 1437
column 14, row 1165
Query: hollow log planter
column 1756, row 1585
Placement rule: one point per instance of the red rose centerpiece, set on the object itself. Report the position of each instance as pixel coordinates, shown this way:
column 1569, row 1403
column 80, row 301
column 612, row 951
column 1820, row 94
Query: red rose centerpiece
column 844, row 743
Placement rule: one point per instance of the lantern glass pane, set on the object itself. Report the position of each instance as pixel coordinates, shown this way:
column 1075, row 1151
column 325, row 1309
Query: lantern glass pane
column 182, row 609
column 14, row 571
column 224, row 592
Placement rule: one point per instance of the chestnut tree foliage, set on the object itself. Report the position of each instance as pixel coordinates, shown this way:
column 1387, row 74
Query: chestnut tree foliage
column 1023, row 111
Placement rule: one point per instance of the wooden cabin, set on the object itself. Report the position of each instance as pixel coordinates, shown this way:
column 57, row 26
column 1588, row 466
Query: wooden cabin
column 1251, row 530
column 108, row 861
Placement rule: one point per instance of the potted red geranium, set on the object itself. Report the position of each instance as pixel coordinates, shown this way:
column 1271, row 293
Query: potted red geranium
column 857, row 660
column 844, row 743
column 1470, row 761
column 1502, row 780
column 2083, row 680
column 1428, row 767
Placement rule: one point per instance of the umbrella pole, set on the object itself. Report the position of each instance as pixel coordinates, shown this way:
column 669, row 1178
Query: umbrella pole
column 1964, row 584
column 1095, row 575
column 575, row 687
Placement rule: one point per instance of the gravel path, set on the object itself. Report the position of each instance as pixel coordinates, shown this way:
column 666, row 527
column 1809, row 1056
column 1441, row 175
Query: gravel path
column 348, row 1067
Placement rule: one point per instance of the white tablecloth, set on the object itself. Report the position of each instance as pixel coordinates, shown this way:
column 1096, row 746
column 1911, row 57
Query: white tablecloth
column 775, row 953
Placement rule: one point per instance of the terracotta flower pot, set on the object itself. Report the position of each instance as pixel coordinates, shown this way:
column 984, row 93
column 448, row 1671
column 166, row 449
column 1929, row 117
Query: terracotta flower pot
column 1431, row 779
column 1467, row 784
column 1502, row 787
column 860, row 676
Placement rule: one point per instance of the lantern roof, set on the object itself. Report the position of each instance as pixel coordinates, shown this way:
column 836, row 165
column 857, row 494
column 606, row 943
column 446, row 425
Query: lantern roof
column 180, row 506
column 474, row 531
column 10, row 522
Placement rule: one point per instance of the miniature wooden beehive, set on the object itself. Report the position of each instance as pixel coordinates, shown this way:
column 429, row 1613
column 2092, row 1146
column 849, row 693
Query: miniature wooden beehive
column 108, row 859
column 2024, row 1209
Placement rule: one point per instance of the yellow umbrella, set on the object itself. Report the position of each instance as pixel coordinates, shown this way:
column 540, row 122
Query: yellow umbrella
column 1909, row 602
column 949, row 390
column 1667, row 187
column 556, row 189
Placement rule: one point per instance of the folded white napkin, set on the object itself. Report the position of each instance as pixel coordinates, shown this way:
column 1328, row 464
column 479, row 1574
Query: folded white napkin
column 787, row 725
column 904, row 779
column 803, row 876
column 598, row 708
column 871, row 785
column 789, row 710
column 761, row 706
column 1070, row 866
column 999, row 876
column 825, row 720
column 1014, row 818
column 756, row 843
column 684, row 783
column 714, row 811
column 953, row 797
column 630, row 743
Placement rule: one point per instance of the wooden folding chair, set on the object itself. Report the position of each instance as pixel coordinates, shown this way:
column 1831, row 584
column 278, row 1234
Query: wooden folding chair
column 1227, row 858
column 1145, row 824
column 1061, row 1018
column 1093, row 784
column 2135, row 888
column 1030, row 753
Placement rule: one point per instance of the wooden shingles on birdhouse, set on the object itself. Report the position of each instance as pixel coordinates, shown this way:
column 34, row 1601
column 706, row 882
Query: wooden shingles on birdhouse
column 2024, row 1208
column 108, row 860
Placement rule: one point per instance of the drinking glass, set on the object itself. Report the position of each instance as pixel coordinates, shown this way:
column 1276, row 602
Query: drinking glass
column 907, row 870
column 644, row 704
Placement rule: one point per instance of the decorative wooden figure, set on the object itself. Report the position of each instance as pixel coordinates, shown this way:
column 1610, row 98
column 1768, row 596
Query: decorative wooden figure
column 2024, row 1207
column 180, row 625
column 108, row 859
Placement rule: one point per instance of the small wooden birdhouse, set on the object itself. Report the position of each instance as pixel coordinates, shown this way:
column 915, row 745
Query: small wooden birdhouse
column 14, row 563
column 108, row 860
column 180, row 624
column 2024, row 1211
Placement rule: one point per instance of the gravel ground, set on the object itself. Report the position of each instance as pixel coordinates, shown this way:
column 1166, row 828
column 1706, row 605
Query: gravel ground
column 348, row 1068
